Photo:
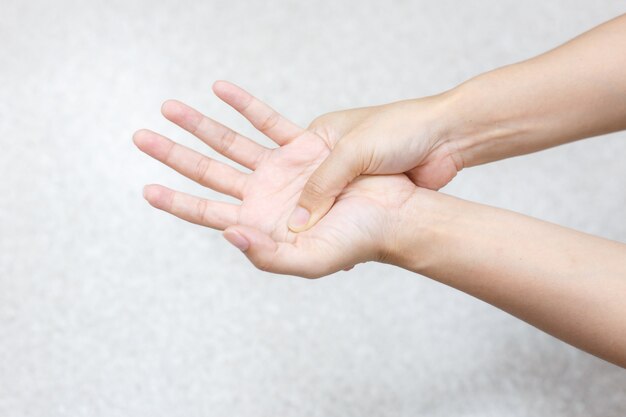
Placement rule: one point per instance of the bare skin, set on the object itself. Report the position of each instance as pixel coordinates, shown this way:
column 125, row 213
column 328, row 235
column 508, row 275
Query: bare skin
column 567, row 283
column 554, row 278
column 351, row 232
column 572, row 92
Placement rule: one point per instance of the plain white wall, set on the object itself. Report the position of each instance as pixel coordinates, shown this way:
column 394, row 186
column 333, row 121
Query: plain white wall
column 111, row 308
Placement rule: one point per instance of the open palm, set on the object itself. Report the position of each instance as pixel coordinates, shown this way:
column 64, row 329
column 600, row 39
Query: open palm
column 355, row 230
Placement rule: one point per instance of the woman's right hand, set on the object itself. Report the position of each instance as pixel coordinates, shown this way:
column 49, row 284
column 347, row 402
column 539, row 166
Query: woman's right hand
column 402, row 137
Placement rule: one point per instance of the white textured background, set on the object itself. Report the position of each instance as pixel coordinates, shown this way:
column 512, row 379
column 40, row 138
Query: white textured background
column 111, row 308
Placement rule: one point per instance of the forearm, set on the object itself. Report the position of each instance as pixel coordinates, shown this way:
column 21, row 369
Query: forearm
column 575, row 91
column 569, row 284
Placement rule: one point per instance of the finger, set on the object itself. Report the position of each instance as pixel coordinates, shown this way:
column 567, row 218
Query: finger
column 205, row 171
column 276, row 257
column 213, row 214
column 329, row 179
column 219, row 137
column 262, row 116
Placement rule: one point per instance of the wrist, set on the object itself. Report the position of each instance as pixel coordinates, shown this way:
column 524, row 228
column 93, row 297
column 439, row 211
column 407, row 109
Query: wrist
column 492, row 117
column 422, row 226
column 487, row 118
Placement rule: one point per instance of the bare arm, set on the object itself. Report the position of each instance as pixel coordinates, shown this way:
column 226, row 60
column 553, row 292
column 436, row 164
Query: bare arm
column 575, row 91
column 567, row 283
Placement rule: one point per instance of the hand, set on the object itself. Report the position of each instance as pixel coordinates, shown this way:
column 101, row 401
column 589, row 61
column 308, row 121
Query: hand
column 403, row 137
column 358, row 228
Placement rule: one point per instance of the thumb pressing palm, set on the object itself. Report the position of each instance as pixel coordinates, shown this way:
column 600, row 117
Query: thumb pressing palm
column 403, row 137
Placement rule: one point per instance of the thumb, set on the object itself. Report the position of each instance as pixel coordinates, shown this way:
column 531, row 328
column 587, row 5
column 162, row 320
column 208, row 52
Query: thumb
column 325, row 184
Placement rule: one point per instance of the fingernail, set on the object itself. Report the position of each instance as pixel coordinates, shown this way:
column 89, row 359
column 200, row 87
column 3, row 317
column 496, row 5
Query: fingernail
column 299, row 218
column 237, row 240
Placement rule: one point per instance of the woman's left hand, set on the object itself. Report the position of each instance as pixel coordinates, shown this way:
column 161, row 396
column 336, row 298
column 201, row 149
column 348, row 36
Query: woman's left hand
column 358, row 228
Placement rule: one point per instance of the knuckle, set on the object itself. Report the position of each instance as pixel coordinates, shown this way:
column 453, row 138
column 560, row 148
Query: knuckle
column 167, row 157
column 247, row 102
column 315, row 187
column 343, row 146
column 226, row 141
column 355, row 154
column 201, row 170
column 196, row 126
column 259, row 158
column 269, row 122
column 317, row 122
column 324, row 119
column 201, row 210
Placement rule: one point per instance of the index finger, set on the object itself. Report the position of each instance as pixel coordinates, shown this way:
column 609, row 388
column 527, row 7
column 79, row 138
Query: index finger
column 262, row 116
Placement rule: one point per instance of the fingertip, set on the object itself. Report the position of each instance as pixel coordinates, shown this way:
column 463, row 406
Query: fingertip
column 151, row 143
column 156, row 195
column 299, row 219
column 218, row 85
column 303, row 218
column 165, row 105
column 140, row 136
column 149, row 191
column 225, row 90
column 231, row 94
column 170, row 108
